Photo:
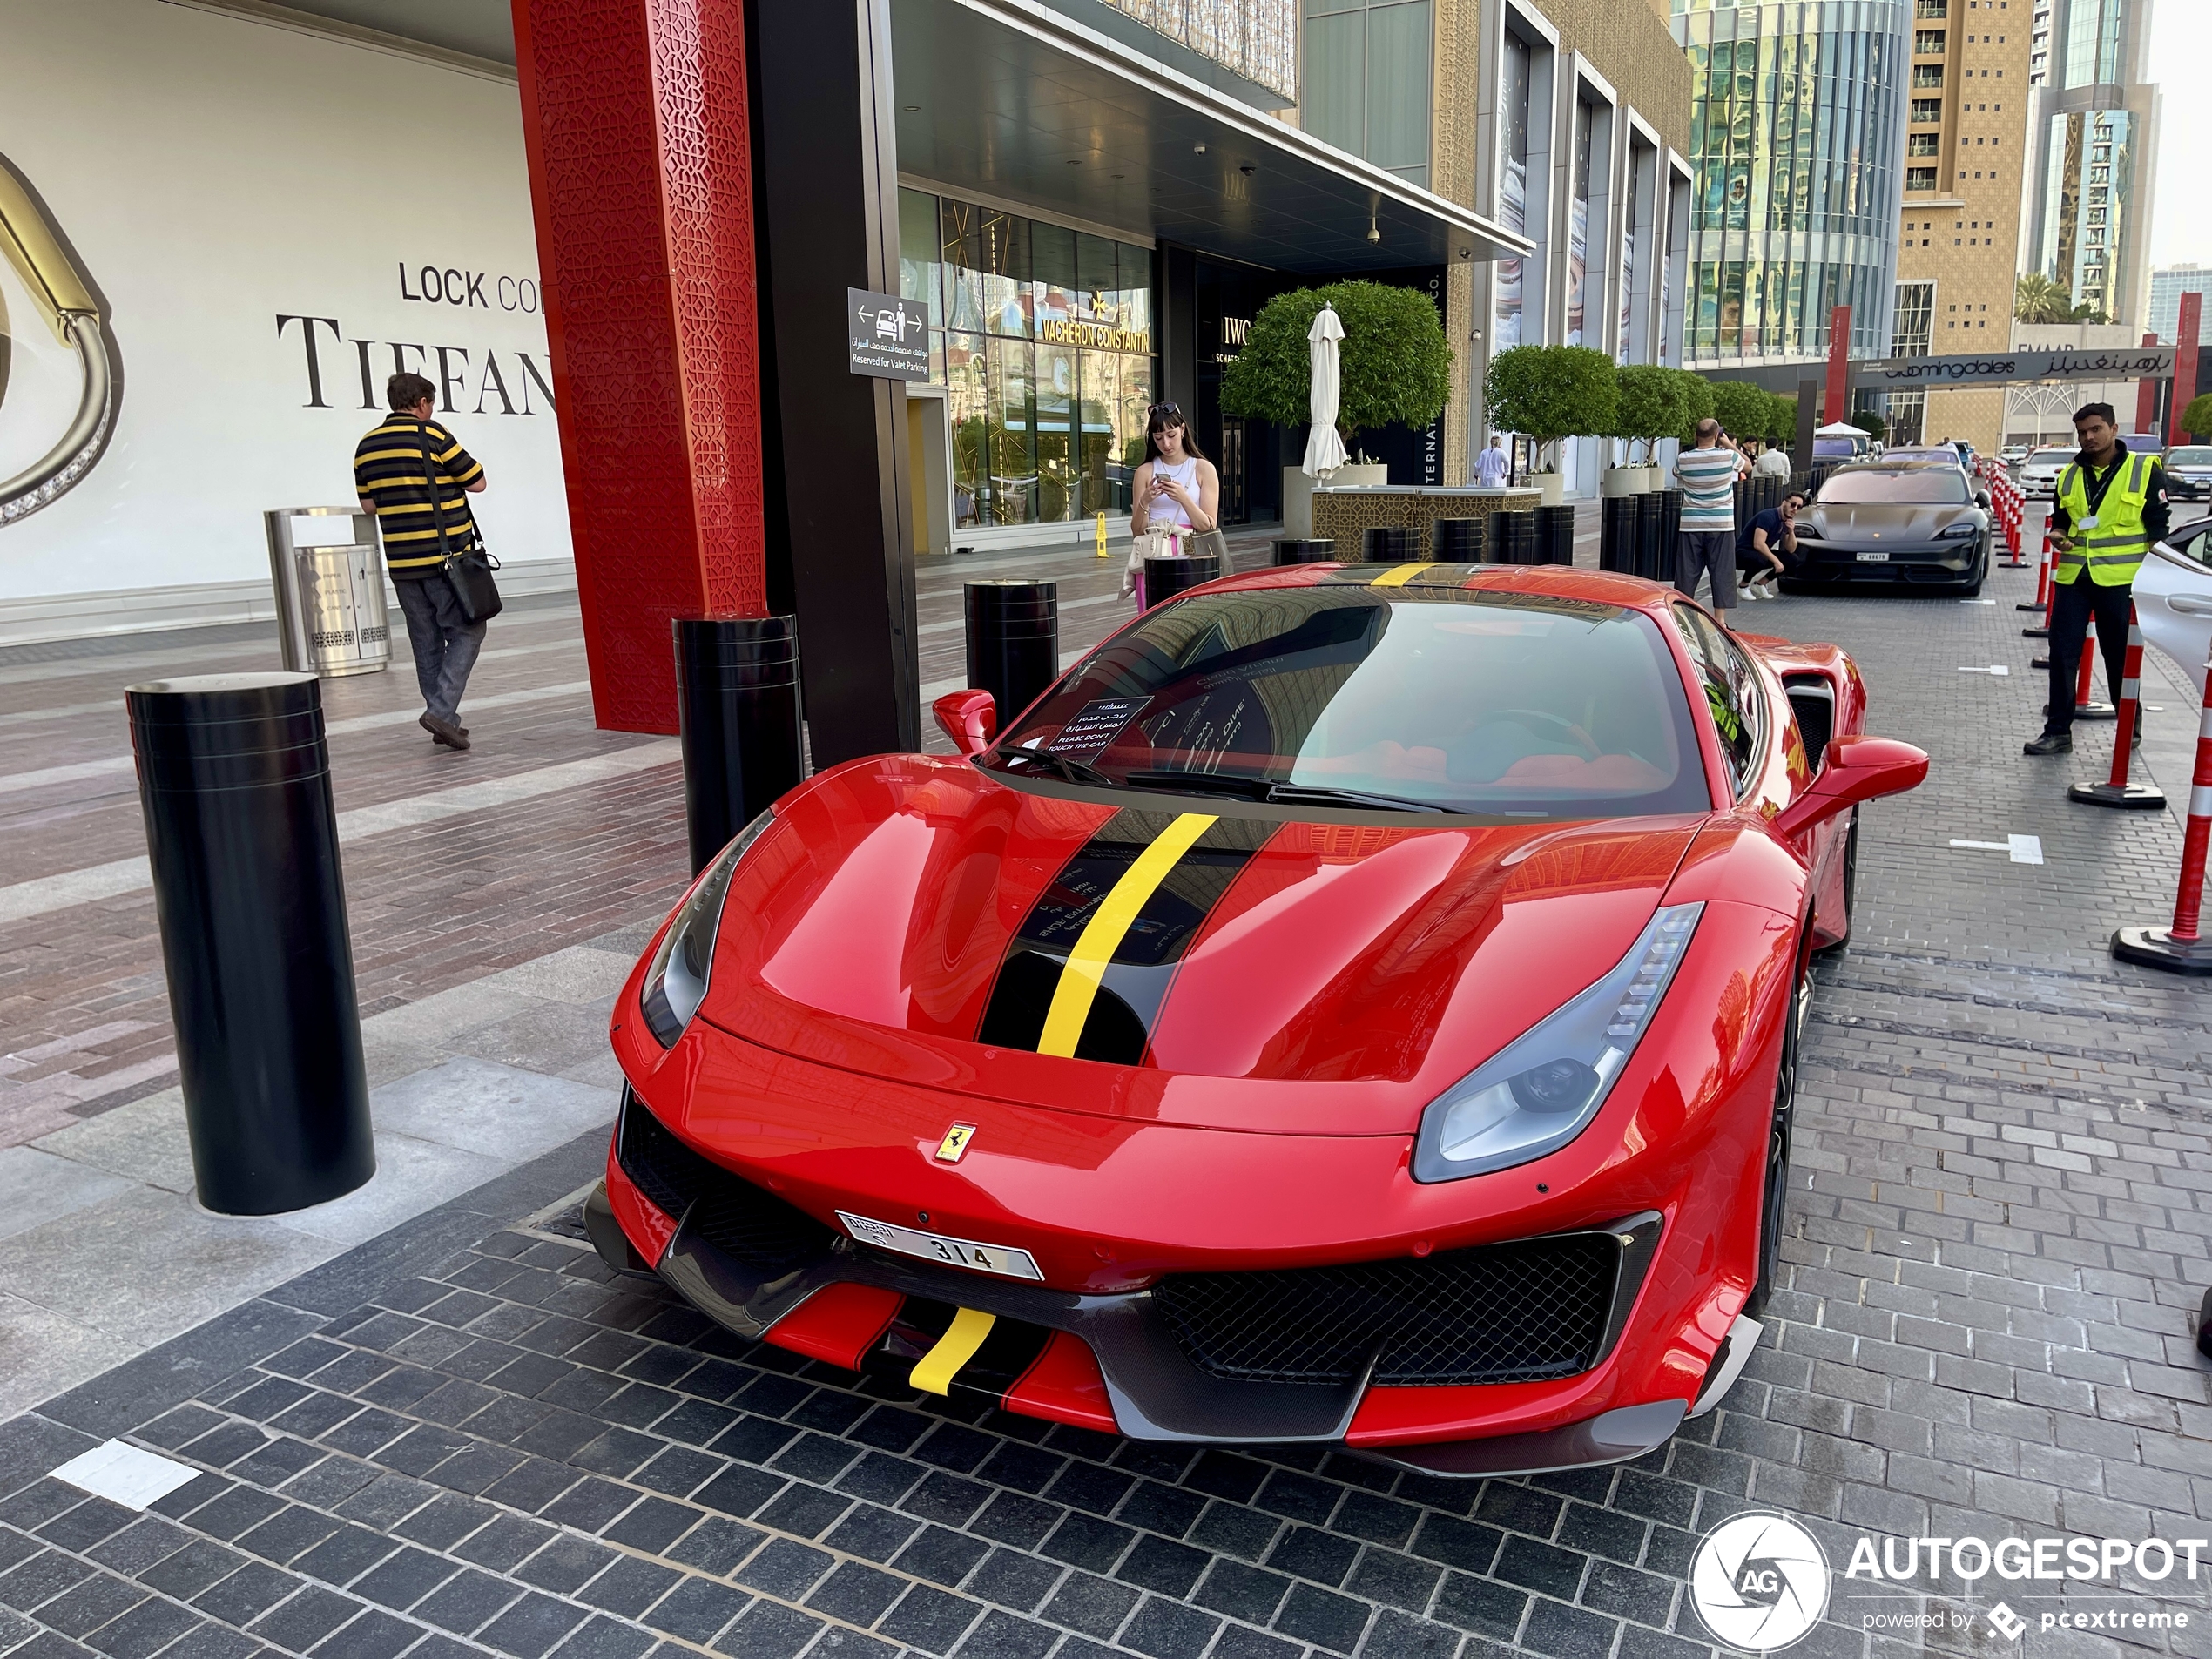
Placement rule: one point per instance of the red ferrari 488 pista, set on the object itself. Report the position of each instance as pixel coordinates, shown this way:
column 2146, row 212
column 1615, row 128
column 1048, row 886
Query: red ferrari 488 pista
column 1354, row 1005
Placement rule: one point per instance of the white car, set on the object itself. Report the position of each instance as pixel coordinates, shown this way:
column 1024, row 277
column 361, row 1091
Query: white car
column 2174, row 598
column 2040, row 472
column 2012, row 454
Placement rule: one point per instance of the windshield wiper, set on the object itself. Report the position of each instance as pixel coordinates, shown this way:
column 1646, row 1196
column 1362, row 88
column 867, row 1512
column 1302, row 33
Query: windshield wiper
column 1319, row 794
column 1274, row 790
column 1229, row 783
column 1074, row 771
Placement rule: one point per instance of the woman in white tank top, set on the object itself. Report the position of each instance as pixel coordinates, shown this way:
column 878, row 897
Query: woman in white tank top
column 1177, row 489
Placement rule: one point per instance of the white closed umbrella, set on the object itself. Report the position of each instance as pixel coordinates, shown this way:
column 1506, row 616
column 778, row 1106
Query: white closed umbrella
column 1324, row 449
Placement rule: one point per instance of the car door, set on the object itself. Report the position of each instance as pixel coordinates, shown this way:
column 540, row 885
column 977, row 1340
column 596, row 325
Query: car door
column 2174, row 598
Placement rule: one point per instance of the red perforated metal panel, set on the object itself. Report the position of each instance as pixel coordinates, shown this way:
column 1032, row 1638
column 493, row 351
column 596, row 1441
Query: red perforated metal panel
column 635, row 117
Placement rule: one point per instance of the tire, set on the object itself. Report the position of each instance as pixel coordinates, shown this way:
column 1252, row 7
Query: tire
column 1774, row 1190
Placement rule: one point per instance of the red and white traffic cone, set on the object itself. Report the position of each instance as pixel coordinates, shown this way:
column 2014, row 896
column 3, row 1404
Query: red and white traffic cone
column 2085, row 706
column 2116, row 791
column 2178, row 948
column 2043, row 576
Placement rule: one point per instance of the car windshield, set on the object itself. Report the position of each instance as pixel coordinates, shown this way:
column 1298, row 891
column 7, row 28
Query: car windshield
column 2195, row 456
column 1948, row 457
column 2050, row 457
column 1922, row 486
column 1827, row 448
column 1507, row 705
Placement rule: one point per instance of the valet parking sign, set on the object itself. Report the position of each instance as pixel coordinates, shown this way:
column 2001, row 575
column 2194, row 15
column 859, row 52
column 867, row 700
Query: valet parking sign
column 1761, row 1582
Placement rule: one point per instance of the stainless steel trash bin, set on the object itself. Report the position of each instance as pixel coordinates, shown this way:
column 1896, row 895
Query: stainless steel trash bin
column 329, row 575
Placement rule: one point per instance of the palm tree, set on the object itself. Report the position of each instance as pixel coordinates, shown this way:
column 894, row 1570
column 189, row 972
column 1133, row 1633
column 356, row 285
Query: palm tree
column 2036, row 298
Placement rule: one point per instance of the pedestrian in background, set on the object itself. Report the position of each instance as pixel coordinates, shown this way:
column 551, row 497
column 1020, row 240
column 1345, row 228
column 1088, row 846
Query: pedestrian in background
column 416, row 478
column 1706, row 544
column 1773, row 463
column 2107, row 509
column 1493, row 466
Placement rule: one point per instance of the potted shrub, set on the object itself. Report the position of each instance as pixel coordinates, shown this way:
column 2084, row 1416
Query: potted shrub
column 1393, row 366
column 2197, row 418
column 1550, row 392
column 1646, row 413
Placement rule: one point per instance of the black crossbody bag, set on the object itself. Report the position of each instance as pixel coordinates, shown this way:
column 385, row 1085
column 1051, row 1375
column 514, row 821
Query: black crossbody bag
column 470, row 569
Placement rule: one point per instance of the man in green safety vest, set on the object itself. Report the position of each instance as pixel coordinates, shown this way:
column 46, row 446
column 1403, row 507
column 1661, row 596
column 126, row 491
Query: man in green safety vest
column 2109, row 506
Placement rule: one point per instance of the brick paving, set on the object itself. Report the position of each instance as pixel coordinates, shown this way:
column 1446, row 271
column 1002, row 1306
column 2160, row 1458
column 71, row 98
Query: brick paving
column 466, row 1438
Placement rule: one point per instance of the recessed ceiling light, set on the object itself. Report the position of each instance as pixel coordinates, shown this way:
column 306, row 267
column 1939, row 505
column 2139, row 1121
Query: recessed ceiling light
column 914, row 109
column 1198, row 149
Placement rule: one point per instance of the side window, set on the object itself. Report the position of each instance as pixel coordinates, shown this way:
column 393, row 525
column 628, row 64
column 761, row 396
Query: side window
column 2190, row 541
column 1731, row 693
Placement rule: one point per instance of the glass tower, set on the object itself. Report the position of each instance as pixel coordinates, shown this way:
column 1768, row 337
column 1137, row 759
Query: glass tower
column 1797, row 127
column 2095, row 140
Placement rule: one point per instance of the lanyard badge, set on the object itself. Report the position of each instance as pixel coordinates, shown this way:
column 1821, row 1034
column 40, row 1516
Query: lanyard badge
column 65, row 303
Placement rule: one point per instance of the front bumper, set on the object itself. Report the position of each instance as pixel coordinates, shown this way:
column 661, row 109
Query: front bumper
column 1110, row 1362
column 2182, row 487
column 1946, row 562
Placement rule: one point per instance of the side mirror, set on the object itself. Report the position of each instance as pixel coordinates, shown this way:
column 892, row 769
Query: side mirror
column 970, row 719
column 1853, row 769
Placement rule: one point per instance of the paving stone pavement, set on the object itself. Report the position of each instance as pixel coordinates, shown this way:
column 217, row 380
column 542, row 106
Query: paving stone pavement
column 466, row 1437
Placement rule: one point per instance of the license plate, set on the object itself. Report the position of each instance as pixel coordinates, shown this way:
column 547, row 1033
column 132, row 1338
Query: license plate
column 936, row 1247
column 1873, row 558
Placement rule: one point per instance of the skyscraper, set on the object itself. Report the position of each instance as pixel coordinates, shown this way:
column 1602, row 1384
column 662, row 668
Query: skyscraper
column 1795, row 128
column 1965, row 173
column 2093, row 142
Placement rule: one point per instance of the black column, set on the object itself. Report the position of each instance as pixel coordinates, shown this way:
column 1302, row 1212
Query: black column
column 826, row 164
column 1809, row 395
column 1177, row 293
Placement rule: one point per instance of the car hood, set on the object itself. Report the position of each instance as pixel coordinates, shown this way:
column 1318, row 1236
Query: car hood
column 910, row 917
column 1890, row 521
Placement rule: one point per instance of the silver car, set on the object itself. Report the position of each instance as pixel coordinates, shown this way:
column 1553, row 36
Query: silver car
column 2040, row 473
column 2189, row 472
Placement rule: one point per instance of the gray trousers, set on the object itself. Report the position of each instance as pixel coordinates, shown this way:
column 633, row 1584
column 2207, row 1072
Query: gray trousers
column 445, row 642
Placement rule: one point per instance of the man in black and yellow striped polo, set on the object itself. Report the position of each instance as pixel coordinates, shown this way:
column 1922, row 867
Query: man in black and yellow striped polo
column 393, row 467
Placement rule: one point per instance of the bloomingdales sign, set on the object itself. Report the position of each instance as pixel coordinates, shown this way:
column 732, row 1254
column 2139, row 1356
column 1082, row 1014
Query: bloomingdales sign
column 2121, row 363
column 1096, row 336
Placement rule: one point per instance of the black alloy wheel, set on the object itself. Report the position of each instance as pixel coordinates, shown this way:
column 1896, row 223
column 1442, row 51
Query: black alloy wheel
column 1775, row 1190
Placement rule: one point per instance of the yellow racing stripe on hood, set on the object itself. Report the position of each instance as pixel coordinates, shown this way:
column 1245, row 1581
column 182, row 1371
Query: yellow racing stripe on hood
column 1102, row 934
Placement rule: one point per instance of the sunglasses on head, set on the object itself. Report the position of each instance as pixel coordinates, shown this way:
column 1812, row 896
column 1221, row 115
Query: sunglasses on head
column 1161, row 414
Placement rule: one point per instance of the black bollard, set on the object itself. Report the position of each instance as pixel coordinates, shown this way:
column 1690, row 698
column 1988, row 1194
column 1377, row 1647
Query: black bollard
column 1165, row 577
column 1316, row 550
column 1013, row 641
column 1391, row 545
column 1651, row 512
column 737, row 706
column 1555, row 535
column 242, row 836
column 1513, row 538
column 1616, row 544
column 1669, row 537
column 1457, row 541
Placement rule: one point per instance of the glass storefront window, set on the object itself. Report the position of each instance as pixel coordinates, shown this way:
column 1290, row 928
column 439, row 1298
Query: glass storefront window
column 1043, row 432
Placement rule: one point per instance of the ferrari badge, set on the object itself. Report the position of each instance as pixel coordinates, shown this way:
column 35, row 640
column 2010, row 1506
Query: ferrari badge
column 950, row 1149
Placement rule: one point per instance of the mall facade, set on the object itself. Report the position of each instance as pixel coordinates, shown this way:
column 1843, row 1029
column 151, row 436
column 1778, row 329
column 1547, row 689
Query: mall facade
column 1092, row 198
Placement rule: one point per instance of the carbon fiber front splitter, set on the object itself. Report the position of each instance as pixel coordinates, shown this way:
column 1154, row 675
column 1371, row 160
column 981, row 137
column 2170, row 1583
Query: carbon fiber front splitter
column 1157, row 1392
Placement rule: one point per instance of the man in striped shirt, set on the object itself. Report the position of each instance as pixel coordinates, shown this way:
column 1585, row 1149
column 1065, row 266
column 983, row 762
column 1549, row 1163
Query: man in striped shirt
column 1706, row 545
column 396, row 468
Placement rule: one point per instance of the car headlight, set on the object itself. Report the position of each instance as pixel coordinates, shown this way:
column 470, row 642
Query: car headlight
column 676, row 984
column 1960, row 532
column 1542, row 1089
column 1806, row 530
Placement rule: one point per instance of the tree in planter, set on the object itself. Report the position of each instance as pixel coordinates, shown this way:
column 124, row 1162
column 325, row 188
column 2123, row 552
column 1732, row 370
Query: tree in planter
column 1548, row 392
column 1871, row 423
column 1693, row 396
column 2196, row 419
column 1782, row 419
column 1741, row 408
column 1392, row 365
column 1647, row 408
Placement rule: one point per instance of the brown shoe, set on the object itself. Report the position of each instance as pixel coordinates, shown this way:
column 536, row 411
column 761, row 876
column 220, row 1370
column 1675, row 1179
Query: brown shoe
column 443, row 731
